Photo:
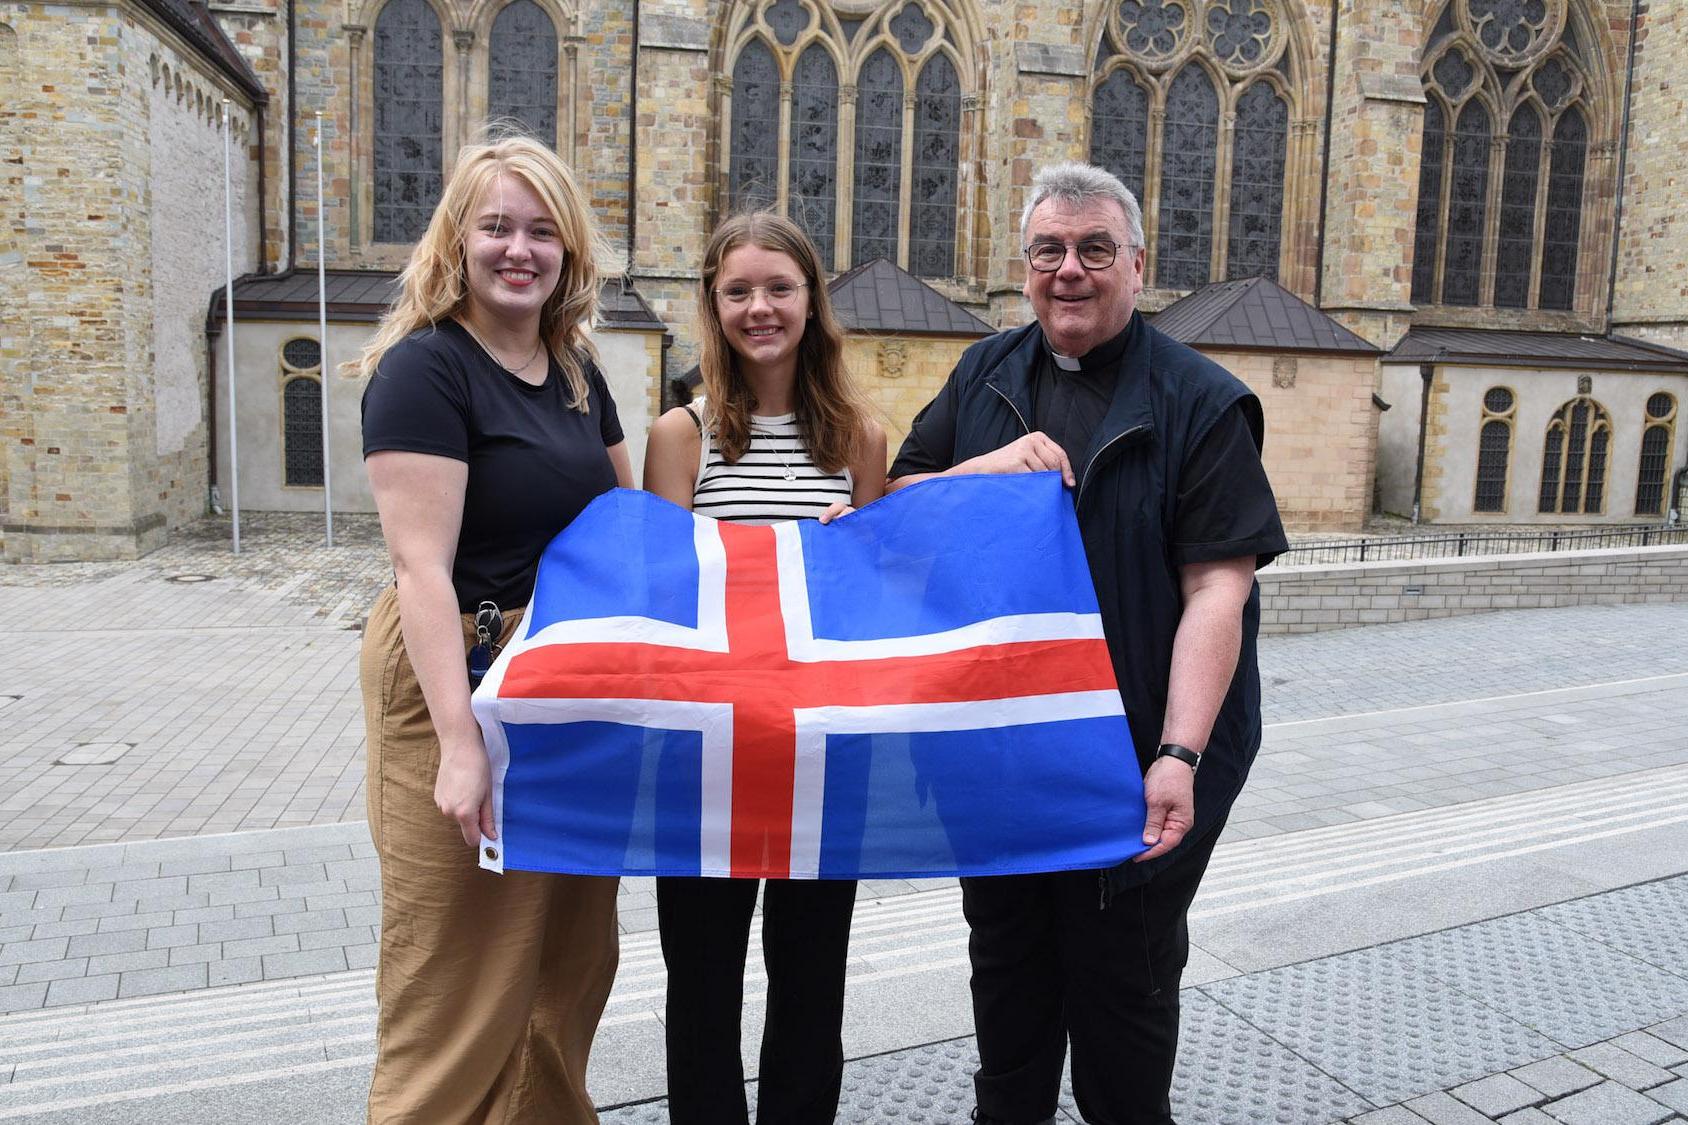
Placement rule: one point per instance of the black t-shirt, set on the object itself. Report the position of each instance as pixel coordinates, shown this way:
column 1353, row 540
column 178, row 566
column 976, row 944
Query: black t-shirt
column 533, row 462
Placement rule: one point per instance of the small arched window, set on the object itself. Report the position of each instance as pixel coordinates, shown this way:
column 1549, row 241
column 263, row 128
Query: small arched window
column 1574, row 459
column 1494, row 450
column 301, row 413
column 409, row 93
column 1658, row 431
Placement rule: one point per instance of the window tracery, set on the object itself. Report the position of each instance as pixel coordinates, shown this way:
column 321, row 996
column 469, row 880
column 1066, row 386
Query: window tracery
column 1512, row 77
column 1494, row 449
column 1658, row 433
column 1217, row 76
column 409, row 118
column 873, row 112
column 1574, row 459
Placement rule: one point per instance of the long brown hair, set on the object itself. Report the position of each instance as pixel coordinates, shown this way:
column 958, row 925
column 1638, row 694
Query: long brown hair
column 434, row 284
column 832, row 414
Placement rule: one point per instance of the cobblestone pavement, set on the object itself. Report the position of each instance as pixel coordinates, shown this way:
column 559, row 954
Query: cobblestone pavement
column 1453, row 892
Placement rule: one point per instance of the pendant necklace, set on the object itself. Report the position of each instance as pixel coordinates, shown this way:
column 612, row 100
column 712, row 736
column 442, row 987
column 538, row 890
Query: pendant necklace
column 790, row 473
column 492, row 355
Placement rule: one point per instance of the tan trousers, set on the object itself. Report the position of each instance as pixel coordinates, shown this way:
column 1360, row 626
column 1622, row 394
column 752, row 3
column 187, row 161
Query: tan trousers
column 489, row 986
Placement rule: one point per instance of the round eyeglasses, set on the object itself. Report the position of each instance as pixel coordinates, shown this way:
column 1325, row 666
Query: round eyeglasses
column 777, row 293
column 1093, row 254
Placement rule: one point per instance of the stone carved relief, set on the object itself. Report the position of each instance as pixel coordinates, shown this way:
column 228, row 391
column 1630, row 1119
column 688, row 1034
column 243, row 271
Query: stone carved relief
column 893, row 358
column 1284, row 369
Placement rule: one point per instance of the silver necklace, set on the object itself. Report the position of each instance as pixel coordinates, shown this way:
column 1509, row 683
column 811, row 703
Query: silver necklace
column 790, row 473
column 492, row 355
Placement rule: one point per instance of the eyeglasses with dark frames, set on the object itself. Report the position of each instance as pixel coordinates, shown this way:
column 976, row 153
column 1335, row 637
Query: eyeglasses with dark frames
column 778, row 293
column 1093, row 254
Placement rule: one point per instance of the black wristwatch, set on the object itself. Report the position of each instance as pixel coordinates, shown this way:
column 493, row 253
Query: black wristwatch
column 1183, row 753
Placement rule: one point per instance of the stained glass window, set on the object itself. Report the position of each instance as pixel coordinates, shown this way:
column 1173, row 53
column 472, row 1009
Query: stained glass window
column 1257, row 182
column 1579, row 444
column 1516, row 248
column 1564, row 211
column 522, row 63
column 301, row 435
column 813, row 194
column 1189, row 151
column 409, row 118
column 873, row 105
column 1467, row 202
column 753, row 179
column 302, row 353
column 879, row 158
column 1119, row 128
column 1650, row 481
column 937, row 145
column 1428, row 234
column 1494, row 447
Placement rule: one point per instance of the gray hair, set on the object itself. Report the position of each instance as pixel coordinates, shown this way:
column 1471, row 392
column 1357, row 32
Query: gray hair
column 1076, row 184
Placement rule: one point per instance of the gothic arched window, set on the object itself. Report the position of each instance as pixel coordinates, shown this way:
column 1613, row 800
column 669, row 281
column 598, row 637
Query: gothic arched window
column 1517, row 72
column 1574, row 459
column 1216, row 74
column 872, row 107
column 1658, row 430
column 409, row 119
column 522, row 69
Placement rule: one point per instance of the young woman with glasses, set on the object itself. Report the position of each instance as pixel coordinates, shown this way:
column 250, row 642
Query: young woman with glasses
column 486, row 429
column 782, row 434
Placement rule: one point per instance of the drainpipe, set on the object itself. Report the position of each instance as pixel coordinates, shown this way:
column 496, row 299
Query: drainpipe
column 1324, row 174
column 633, row 145
column 1426, row 372
column 1623, row 165
column 292, row 69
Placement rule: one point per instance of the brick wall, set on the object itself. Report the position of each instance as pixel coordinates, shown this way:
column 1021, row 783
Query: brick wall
column 1313, row 599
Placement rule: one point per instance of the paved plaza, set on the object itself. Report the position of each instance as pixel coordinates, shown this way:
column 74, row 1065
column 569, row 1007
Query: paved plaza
column 1455, row 891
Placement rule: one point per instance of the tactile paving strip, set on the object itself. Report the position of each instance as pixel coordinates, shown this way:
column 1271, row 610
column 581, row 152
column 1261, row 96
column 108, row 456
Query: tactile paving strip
column 1232, row 1073
column 1379, row 1026
column 1649, row 921
column 1563, row 983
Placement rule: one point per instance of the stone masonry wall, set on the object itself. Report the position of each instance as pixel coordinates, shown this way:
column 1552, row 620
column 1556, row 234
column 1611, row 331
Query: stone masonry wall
column 1311, row 599
column 96, row 465
column 1652, row 284
column 901, row 374
column 1321, row 434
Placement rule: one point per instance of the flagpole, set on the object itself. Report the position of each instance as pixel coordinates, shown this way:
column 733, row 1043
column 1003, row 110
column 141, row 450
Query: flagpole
column 322, row 342
column 228, row 324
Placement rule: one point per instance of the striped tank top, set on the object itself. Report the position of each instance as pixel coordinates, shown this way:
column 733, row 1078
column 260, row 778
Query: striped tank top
column 775, row 479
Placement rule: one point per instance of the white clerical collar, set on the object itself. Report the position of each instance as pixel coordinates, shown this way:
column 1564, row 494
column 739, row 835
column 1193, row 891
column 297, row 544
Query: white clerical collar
column 1065, row 362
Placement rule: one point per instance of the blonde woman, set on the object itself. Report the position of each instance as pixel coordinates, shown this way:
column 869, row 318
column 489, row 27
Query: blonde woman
column 784, row 436
column 486, row 429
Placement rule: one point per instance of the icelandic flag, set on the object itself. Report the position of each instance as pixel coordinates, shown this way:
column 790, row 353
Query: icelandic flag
column 920, row 688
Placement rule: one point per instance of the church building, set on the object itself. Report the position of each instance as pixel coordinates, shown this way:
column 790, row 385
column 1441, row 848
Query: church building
column 1463, row 219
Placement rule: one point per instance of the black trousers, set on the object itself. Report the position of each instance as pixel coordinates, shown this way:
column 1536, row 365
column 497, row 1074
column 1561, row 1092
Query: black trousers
column 705, row 930
column 1051, row 964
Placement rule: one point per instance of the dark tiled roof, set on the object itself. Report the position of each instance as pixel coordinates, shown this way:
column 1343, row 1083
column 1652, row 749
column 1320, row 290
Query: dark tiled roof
column 363, row 295
column 1255, row 312
column 1491, row 347
column 879, row 297
column 194, row 22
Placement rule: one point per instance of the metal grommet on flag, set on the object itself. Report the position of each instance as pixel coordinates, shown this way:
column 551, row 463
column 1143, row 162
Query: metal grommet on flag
column 492, row 856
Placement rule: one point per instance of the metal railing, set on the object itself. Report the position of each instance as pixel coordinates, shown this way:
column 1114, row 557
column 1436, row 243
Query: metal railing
column 1470, row 544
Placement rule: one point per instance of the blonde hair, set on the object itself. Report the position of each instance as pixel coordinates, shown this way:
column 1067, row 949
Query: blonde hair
column 832, row 414
column 434, row 282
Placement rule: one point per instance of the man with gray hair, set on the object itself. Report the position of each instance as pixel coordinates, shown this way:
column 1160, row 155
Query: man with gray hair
column 1162, row 450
